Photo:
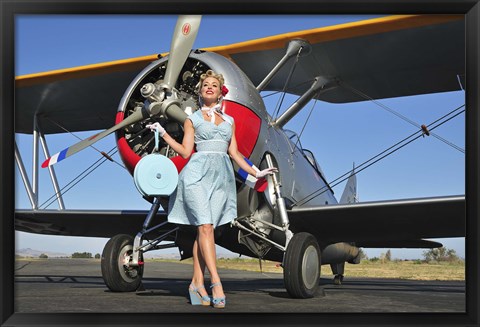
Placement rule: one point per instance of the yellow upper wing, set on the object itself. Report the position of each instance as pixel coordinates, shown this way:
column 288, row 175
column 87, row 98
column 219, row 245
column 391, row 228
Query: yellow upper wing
column 382, row 57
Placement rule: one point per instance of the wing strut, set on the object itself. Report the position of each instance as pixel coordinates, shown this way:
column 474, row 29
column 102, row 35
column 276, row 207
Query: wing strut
column 26, row 181
column 33, row 189
column 295, row 47
column 51, row 171
column 320, row 84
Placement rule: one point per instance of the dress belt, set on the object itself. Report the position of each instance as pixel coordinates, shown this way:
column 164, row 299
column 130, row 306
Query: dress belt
column 212, row 146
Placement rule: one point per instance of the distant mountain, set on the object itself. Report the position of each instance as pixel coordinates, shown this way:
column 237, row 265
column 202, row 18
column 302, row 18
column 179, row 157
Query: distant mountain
column 36, row 253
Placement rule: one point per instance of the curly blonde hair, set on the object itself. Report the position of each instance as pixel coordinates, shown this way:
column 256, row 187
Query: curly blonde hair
column 211, row 73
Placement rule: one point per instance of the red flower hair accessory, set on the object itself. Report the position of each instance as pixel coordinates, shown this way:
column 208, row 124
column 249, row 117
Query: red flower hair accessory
column 224, row 90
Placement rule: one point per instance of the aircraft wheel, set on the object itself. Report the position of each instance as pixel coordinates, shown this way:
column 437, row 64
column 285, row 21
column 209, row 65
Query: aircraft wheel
column 116, row 272
column 301, row 274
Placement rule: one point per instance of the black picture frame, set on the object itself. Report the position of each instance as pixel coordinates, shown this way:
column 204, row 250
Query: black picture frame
column 10, row 8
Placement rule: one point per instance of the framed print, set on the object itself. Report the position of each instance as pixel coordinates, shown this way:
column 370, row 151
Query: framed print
column 339, row 53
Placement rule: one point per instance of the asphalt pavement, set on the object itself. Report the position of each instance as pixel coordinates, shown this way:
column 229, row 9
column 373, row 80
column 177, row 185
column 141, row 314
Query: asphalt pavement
column 76, row 286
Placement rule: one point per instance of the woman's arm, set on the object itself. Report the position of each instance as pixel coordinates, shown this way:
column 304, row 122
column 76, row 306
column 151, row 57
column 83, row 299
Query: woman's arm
column 185, row 149
column 239, row 159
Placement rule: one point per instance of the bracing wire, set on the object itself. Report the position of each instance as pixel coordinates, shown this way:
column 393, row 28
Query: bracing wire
column 383, row 106
column 306, row 121
column 290, row 74
column 79, row 138
column 77, row 179
column 358, row 169
column 300, row 85
column 379, row 156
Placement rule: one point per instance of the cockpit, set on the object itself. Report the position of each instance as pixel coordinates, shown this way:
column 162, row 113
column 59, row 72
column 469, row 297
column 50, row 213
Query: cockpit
column 295, row 140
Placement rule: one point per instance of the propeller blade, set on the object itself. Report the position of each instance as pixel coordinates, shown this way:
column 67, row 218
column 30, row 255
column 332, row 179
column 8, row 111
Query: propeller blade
column 133, row 118
column 176, row 113
column 184, row 36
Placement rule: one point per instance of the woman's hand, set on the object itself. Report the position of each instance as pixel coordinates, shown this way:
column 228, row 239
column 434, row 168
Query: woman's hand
column 158, row 127
column 265, row 172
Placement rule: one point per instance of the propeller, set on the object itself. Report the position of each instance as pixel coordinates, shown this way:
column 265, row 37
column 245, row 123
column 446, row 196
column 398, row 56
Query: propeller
column 184, row 36
column 138, row 115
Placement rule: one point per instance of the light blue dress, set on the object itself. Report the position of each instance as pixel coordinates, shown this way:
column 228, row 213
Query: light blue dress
column 206, row 192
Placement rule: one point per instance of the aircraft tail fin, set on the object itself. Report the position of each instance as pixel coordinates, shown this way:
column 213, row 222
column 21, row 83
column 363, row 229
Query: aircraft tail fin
column 350, row 192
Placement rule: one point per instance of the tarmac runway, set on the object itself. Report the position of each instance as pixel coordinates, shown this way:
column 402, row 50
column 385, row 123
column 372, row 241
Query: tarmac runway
column 76, row 286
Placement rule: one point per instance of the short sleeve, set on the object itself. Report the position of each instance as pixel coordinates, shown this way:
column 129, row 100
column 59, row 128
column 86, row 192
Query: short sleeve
column 193, row 117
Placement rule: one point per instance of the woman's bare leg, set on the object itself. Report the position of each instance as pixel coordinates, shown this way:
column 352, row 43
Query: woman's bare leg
column 206, row 244
column 198, row 268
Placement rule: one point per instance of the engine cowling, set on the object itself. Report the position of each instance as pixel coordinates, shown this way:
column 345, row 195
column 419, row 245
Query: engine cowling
column 135, row 141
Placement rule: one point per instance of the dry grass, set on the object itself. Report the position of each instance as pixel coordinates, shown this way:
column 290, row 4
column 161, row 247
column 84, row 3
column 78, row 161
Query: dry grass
column 413, row 270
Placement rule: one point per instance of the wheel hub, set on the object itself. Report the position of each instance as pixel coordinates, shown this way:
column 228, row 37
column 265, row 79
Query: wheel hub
column 129, row 273
column 310, row 266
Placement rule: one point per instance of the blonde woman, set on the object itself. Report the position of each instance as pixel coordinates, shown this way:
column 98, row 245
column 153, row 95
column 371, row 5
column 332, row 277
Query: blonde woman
column 206, row 195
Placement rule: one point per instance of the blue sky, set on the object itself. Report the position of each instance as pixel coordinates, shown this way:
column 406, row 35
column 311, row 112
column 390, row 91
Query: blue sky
column 338, row 135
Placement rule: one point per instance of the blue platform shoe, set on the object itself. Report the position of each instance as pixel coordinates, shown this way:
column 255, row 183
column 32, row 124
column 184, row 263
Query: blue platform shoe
column 218, row 302
column 196, row 298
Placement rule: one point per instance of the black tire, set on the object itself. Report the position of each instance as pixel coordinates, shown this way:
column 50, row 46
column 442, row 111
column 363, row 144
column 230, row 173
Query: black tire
column 302, row 266
column 117, row 275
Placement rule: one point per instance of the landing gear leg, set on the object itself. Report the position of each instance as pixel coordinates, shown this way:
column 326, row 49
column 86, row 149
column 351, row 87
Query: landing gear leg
column 338, row 279
column 338, row 270
column 301, row 261
column 122, row 258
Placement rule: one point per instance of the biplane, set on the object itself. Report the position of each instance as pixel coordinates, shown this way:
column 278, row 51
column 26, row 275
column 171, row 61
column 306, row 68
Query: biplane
column 293, row 216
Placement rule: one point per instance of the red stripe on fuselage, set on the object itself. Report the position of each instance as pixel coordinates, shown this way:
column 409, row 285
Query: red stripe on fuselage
column 247, row 126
